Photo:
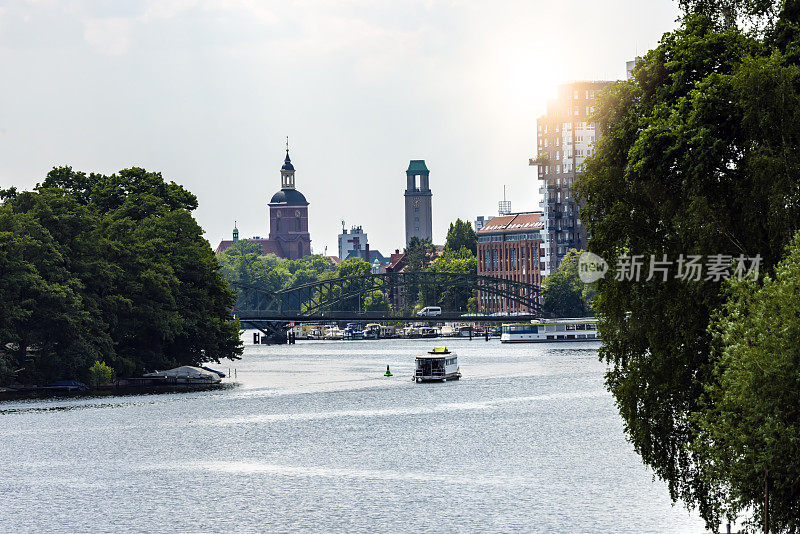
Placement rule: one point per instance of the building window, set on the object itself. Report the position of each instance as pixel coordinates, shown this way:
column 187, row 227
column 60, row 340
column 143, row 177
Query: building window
column 300, row 249
column 416, row 229
column 495, row 260
column 297, row 224
column 416, row 209
column 513, row 258
column 278, row 224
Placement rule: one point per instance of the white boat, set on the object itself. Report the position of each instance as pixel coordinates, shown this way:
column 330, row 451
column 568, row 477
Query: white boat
column 186, row 374
column 437, row 366
column 551, row 330
column 332, row 332
column 372, row 331
column 448, row 331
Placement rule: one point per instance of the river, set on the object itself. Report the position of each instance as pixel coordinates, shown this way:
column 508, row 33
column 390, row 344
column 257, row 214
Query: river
column 315, row 438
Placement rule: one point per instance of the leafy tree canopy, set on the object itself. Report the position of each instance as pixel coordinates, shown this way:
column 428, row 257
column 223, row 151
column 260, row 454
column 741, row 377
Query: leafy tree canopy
column 453, row 298
column 563, row 292
column 698, row 154
column 108, row 268
column 748, row 430
column 460, row 234
column 419, row 254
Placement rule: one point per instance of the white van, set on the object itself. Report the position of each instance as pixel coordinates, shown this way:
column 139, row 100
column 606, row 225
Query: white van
column 430, row 311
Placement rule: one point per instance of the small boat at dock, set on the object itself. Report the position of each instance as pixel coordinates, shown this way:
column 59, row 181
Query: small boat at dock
column 186, row 374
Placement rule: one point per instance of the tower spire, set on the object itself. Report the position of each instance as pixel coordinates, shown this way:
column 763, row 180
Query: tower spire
column 287, row 171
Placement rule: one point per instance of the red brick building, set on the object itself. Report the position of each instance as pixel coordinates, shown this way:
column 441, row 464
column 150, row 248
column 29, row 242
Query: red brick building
column 288, row 221
column 510, row 247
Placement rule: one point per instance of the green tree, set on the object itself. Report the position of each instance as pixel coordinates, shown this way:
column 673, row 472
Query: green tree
column 726, row 13
column 101, row 374
column 456, row 297
column 563, row 292
column 51, row 260
column 108, row 268
column 748, row 429
column 356, row 293
column 259, row 276
column 419, row 254
column 461, row 235
column 698, row 155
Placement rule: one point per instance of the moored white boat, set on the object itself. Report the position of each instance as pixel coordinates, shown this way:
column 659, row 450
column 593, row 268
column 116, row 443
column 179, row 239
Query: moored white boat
column 551, row 330
column 187, row 374
column 332, row 332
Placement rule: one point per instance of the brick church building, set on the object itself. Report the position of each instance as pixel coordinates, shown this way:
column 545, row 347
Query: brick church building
column 288, row 221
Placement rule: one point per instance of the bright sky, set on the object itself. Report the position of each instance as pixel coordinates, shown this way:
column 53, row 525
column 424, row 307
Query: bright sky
column 206, row 91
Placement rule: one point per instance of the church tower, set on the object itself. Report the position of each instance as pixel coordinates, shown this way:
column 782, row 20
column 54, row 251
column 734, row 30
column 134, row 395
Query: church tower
column 418, row 201
column 288, row 217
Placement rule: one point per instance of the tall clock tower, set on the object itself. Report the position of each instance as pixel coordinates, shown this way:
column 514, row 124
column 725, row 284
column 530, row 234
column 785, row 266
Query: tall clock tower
column 418, row 201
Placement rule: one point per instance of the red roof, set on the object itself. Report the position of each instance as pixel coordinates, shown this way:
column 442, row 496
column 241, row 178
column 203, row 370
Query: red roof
column 395, row 260
column 513, row 223
column 268, row 246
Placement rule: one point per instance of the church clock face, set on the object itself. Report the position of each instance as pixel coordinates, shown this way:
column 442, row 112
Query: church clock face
column 417, row 202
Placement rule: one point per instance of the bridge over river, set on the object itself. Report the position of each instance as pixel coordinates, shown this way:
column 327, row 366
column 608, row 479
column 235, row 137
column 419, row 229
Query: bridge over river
column 352, row 299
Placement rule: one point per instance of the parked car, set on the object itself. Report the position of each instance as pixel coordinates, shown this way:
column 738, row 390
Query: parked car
column 430, row 311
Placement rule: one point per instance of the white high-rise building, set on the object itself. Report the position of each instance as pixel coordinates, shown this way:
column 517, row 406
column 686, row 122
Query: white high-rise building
column 355, row 239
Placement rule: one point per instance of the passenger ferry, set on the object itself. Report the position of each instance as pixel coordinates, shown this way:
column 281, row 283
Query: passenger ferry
column 546, row 330
column 437, row 366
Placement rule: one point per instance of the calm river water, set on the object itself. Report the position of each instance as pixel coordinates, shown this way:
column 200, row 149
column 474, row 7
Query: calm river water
column 314, row 438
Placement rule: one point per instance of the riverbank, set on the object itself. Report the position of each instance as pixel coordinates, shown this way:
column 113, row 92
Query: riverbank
column 34, row 392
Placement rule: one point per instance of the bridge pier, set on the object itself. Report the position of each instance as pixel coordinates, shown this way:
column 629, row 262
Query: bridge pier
column 272, row 332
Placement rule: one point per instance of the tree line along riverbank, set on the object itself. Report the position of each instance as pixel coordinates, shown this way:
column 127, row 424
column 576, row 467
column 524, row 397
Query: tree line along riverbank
column 111, row 269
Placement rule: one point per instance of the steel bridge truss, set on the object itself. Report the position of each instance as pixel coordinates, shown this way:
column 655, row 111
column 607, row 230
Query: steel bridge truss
column 321, row 297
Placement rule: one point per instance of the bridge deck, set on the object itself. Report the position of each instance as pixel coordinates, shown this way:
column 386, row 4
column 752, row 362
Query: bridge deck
column 377, row 318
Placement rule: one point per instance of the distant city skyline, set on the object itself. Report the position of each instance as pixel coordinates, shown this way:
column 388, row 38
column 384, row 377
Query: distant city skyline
column 207, row 91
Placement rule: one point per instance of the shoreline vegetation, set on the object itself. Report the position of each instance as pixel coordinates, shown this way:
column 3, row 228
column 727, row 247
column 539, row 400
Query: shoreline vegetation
column 698, row 153
column 107, row 276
